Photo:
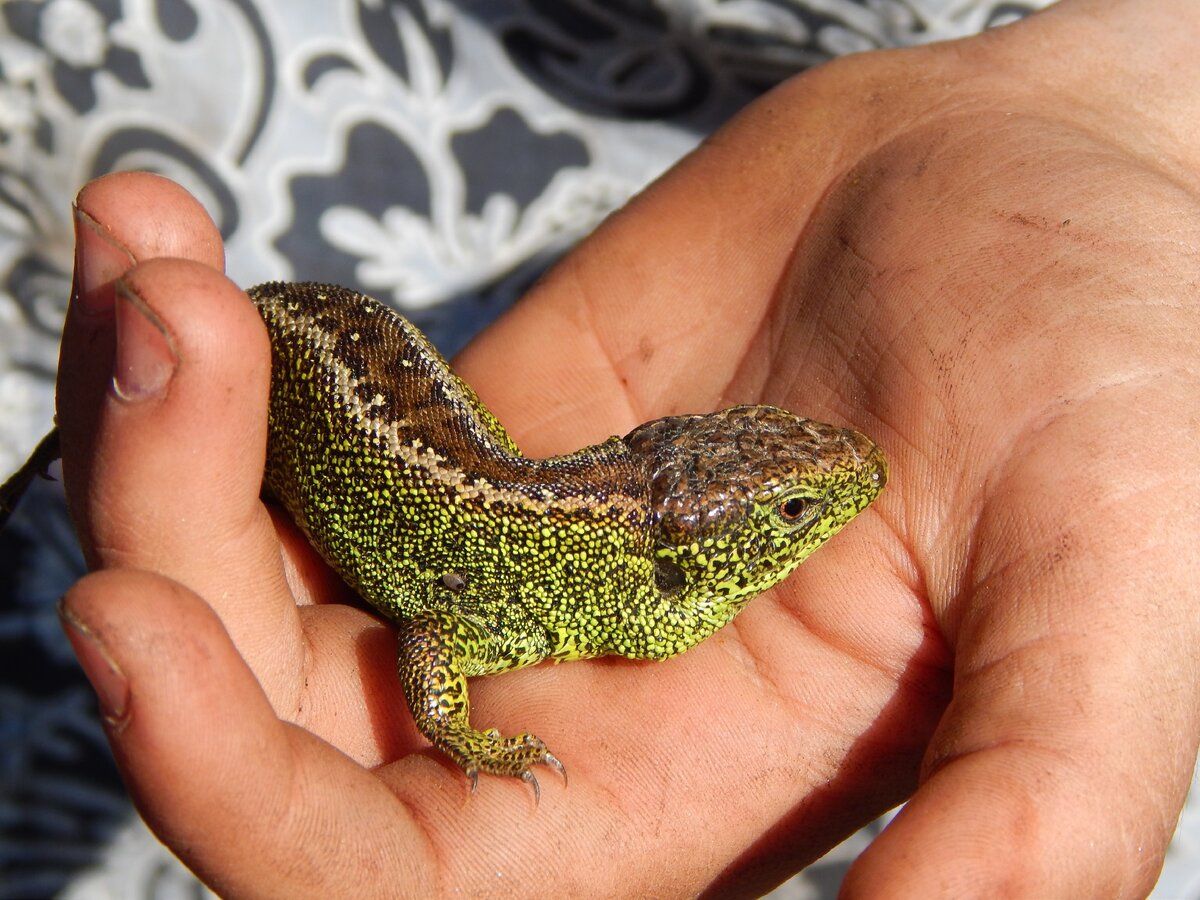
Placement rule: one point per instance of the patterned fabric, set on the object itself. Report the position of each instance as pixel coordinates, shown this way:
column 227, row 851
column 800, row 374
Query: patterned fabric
column 437, row 155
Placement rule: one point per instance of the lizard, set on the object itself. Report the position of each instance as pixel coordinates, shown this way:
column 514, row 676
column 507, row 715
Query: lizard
column 487, row 560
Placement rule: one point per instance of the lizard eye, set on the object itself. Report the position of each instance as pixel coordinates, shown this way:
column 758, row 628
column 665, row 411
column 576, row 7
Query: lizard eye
column 794, row 509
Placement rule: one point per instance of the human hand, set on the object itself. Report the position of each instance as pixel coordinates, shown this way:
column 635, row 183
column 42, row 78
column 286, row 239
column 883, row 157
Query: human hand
column 989, row 266
column 903, row 267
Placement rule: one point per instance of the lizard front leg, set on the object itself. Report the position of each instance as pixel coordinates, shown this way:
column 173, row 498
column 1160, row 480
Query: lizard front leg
column 437, row 652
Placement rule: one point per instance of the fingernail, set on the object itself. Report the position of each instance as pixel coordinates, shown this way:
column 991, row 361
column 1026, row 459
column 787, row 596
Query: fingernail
column 109, row 682
column 99, row 261
column 145, row 358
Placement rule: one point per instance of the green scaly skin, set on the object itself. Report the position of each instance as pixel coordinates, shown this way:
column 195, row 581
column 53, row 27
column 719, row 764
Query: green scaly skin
column 641, row 546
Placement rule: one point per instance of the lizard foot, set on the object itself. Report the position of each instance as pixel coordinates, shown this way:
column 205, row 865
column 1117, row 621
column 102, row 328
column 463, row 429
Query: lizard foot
column 489, row 751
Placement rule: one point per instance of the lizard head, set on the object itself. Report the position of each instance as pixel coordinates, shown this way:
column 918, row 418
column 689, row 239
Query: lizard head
column 742, row 497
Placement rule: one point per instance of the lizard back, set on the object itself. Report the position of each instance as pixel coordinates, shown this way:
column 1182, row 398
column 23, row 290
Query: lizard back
column 407, row 483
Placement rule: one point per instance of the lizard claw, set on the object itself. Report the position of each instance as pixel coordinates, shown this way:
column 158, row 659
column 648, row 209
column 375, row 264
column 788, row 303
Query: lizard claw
column 530, row 779
column 548, row 759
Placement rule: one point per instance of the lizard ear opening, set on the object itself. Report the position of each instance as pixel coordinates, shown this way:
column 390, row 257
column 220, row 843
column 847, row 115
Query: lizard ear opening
column 668, row 576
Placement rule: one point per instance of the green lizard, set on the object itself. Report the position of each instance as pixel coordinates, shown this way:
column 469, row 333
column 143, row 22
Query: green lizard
column 487, row 560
